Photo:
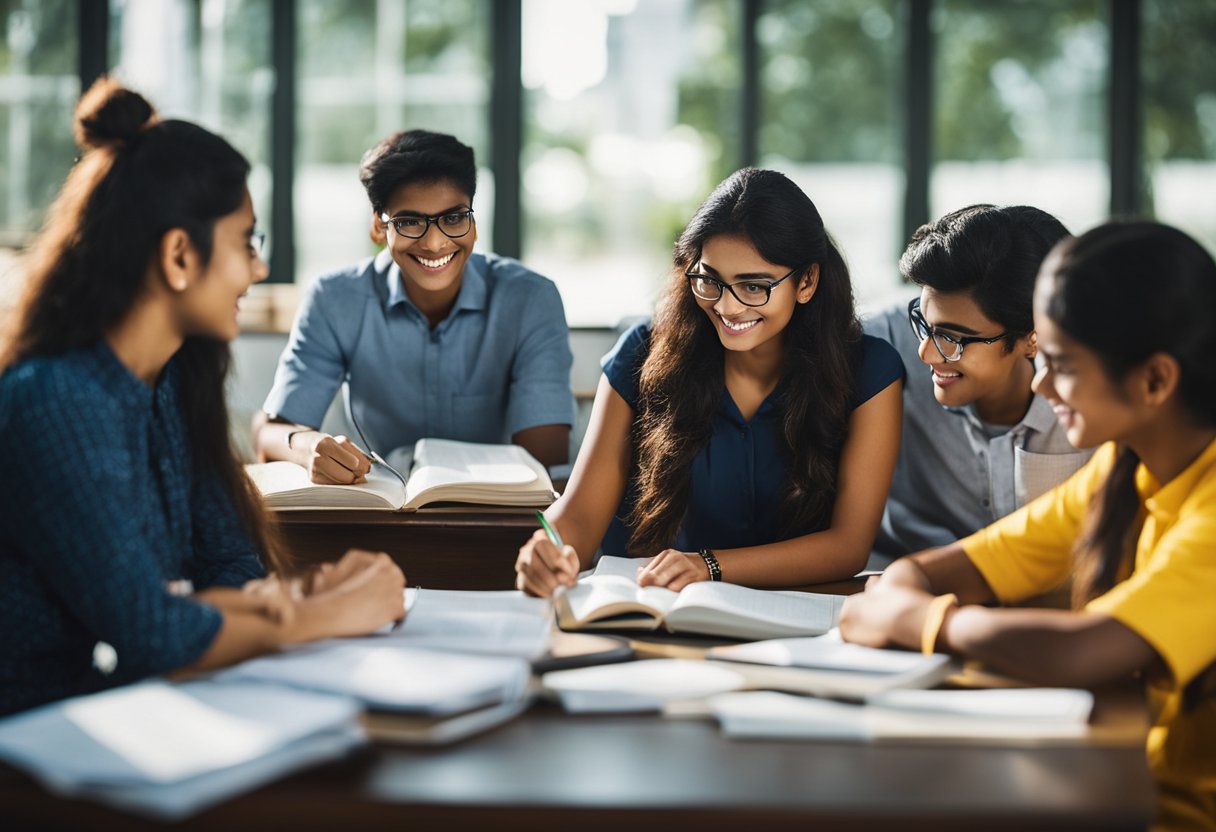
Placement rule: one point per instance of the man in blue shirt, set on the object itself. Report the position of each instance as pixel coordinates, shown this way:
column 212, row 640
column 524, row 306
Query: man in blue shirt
column 432, row 339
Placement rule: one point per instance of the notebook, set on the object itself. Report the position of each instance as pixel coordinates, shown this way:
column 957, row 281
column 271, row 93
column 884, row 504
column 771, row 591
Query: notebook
column 830, row 667
column 391, row 677
column 169, row 750
column 1019, row 716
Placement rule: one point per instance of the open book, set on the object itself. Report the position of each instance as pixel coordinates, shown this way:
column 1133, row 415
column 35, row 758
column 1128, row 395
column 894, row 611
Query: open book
column 434, row 470
column 610, row 598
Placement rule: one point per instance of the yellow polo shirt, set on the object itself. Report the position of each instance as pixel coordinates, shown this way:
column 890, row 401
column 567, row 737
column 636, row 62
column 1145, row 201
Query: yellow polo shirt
column 1169, row 600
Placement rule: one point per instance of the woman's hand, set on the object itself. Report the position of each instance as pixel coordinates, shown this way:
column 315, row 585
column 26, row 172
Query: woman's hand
column 361, row 593
column 674, row 570
column 541, row 567
column 887, row 614
column 267, row 597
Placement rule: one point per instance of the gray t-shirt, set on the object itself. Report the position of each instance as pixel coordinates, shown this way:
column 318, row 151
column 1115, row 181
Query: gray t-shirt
column 957, row 474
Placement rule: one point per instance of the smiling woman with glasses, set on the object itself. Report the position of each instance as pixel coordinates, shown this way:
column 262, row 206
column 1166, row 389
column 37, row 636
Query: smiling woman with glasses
column 749, row 433
column 747, row 292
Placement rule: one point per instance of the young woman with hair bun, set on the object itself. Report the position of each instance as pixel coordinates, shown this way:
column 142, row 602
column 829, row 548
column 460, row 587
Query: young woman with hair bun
column 131, row 542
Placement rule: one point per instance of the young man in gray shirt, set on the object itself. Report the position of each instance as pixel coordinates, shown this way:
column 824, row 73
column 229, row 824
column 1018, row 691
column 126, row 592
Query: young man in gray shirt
column 977, row 441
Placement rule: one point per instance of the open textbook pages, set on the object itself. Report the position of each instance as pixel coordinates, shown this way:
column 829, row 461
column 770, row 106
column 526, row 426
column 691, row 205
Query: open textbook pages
column 433, row 471
column 610, row 598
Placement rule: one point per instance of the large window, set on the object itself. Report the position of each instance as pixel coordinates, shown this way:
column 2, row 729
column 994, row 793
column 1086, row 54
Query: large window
column 829, row 118
column 39, row 86
column 1020, row 115
column 1180, row 114
column 610, row 120
column 630, row 120
column 366, row 70
column 207, row 62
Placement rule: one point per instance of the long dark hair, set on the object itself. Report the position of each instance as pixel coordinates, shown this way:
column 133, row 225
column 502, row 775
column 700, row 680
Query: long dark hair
column 682, row 380
column 137, row 178
column 1128, row 290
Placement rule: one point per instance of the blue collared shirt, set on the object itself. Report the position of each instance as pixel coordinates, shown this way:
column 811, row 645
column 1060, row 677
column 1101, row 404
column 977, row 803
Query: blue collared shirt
column 739, row 478
column 498, row 364
column 100, row 508
column 957, row 474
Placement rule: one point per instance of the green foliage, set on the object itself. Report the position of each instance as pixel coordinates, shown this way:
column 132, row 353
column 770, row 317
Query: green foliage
column 1179, row 77
column 830, row 82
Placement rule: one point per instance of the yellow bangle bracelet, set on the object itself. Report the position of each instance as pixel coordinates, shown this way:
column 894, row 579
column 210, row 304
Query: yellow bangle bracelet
column 934, row 618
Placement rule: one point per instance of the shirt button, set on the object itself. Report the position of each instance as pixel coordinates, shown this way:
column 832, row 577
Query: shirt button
column 986, row 503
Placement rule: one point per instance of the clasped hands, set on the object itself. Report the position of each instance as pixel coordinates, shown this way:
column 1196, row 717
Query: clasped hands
column 357, row 594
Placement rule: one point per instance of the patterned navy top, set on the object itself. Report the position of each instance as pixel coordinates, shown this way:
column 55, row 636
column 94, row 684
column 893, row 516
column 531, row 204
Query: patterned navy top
column 99, row 509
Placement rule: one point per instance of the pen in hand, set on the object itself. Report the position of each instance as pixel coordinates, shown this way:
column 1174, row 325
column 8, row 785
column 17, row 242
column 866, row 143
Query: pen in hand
column 554, row 537
column 375, row 458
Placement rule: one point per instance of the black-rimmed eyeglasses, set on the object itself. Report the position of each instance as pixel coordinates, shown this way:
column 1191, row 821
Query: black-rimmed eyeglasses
column 949, row 347
column 747, row 292
column 453, row 224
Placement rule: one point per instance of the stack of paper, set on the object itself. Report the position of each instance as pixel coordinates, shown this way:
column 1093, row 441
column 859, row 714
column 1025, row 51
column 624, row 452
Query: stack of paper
column 392, row 677
column 639, row 686
column 169, row 751
column 1013, row 716
column 827, row 666
column 506, row 623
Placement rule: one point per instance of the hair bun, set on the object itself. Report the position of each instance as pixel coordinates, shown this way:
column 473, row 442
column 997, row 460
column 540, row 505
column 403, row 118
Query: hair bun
column 110, row 114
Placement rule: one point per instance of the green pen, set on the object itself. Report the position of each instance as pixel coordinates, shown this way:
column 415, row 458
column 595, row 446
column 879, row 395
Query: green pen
column 554, row 537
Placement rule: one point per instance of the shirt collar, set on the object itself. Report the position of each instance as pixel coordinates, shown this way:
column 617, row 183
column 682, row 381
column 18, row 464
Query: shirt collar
column 472, row 294
column 1039, row 416
column 1166, row 500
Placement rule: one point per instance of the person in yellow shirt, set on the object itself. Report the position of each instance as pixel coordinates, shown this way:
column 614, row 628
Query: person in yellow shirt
column 1126, row 320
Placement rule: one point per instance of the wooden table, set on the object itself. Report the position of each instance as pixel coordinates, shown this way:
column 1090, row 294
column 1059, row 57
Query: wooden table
column 440, row 548
column 550, row 770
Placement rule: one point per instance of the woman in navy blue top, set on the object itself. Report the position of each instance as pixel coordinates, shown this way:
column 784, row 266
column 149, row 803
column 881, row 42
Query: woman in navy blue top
column 750, row 433
column 130, row 539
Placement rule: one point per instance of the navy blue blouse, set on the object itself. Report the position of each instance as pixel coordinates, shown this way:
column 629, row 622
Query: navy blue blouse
column 738, row 479
column 99, row 508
